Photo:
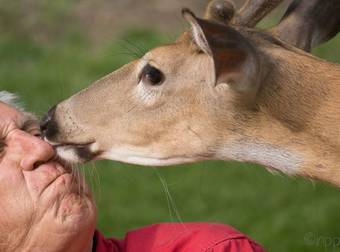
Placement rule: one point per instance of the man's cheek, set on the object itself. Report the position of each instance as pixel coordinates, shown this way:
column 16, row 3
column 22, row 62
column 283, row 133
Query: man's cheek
column 11, row 179
column 15, row 219
column 16, row 206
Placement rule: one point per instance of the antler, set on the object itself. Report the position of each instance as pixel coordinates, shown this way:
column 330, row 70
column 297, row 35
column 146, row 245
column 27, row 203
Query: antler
column 223, row 11
column 254, row 11
column 308, row 23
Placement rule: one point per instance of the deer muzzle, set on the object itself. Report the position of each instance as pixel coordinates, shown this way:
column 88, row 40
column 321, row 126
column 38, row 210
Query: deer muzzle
column 71, row 152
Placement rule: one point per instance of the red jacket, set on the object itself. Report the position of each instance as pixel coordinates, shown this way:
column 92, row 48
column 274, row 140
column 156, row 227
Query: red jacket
column 179, row 237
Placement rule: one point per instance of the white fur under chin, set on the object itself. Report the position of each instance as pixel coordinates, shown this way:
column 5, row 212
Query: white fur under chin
column 10, row 99
column 132, row 157
column 265, row 154
column 69, row 154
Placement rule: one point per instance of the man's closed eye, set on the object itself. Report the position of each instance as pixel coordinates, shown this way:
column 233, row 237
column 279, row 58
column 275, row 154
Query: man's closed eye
column 30, row 125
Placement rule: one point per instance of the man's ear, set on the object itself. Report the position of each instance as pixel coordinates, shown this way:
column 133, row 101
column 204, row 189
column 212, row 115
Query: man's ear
column 235, row 60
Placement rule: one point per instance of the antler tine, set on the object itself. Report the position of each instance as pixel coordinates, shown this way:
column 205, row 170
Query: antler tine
column 253, row 11
column 221, row 11
column 308, row 23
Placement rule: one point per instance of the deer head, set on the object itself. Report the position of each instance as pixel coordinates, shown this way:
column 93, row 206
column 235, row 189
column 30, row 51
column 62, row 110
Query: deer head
column 220, row 91
column 151, row 106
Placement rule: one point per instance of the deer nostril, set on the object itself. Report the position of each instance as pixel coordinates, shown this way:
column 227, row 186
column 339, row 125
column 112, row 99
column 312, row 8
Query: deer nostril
column 47, row 118
column 48, row 125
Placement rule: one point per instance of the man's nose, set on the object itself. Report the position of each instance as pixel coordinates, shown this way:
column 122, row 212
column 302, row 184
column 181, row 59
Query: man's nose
column 36, row 151
column 48, row 125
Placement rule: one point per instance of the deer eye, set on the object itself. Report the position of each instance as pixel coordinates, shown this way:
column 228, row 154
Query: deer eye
column 151, row 75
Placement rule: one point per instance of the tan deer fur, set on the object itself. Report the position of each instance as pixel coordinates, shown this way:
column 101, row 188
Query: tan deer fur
column 229, row 93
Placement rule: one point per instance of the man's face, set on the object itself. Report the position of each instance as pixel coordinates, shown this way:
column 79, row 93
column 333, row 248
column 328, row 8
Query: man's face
column 41, row 206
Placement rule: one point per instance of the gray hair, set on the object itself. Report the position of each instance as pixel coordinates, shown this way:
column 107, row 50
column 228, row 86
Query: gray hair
column 11, row 99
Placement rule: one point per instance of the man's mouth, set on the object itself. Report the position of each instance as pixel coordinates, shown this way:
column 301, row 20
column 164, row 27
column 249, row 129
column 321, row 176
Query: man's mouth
column 53, row 171
column 66, row 182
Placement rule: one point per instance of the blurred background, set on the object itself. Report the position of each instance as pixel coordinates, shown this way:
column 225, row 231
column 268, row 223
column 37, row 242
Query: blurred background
column 52, row 49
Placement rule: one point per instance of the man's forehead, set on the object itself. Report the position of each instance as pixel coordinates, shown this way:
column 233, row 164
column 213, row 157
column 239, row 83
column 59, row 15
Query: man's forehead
column 11, row 114
column 9, row 118
column 8, row 112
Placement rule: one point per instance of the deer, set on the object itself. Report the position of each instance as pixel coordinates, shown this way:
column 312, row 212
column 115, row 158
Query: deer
column 223, row 90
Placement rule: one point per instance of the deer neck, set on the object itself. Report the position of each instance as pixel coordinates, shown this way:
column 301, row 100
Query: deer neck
column 295, row 128
column 273, row 145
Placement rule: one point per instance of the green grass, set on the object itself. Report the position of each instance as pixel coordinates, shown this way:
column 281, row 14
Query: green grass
column 275, row 210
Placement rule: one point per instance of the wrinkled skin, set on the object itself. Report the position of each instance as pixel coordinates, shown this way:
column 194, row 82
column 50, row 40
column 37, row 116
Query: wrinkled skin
column 41, row 207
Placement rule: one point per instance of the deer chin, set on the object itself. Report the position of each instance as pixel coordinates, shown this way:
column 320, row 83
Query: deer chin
column 73, row 153
column 128, row 155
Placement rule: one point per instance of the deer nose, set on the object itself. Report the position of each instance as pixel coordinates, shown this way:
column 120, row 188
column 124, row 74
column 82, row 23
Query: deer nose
column 48, row 125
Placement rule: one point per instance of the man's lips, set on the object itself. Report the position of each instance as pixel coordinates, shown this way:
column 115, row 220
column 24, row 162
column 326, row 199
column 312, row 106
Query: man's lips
column 59, row 178
column 55, row 179
column 46, row 174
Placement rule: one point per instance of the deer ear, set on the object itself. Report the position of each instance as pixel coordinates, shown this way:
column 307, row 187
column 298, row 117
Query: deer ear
column 235, row 60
